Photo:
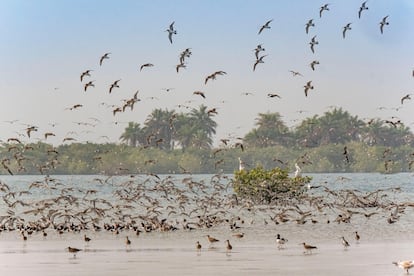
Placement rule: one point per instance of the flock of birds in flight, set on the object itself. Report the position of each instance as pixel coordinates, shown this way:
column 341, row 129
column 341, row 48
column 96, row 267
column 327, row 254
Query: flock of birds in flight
column 129, row 103
column 259, row 58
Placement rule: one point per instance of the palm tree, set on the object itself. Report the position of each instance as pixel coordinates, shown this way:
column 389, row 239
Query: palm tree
column 308, row 132
column 184, row 130
column 132, row 134
column 271, row 131
column 159, row 127
column 202, row 120
column 195, row 129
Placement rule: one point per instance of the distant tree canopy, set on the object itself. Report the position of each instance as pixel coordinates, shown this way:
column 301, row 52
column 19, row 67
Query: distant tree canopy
column 171, row 142
column 334, row 127
column 165, row 129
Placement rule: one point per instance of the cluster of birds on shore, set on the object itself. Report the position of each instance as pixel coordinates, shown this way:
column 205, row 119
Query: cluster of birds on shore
column 138, row 205
column 155, row 204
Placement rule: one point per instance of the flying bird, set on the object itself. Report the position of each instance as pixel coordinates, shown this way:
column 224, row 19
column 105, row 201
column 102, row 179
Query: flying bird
column 259, row 60
column 265, row 26
column 313, row 63
column 295, row 73
column 312, row 43
column 171, row 32
column 239, row 145
column 114, row 85
column 145, row 65
column 307, row 87
column 383, row 23
column 30, row 129
column 213, row 76
column 47, row 134
column 90, row 83
column 346, row 28
column 362, row 8
column 323, row 8
column 84, row 74
column 212, row 111
column 75, row 106
column 105, row 56
column 185, row 54
column 259, row 48
column 309, row 24
column 406, row 97
column 199, row 93
column 270, row 95
column 180, row 65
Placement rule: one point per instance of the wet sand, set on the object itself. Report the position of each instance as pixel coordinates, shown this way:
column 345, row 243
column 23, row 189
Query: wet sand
column 176, row 254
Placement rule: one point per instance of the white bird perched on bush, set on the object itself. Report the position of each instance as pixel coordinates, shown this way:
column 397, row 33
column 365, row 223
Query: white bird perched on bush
column 298, row 172
column 241, row 165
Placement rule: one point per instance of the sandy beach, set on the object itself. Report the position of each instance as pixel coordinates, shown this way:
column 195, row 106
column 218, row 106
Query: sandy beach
column 176, row 254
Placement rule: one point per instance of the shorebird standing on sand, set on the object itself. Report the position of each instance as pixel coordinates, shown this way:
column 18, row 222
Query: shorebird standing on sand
column 73, row 250
column 308, row 248
column 229, row 247
column 212, row 240
column 198, row 246
column 127, row 242
column 345, row 243
column 86, row 239
column 280, row 241
column 406, row 265
column 357, row 237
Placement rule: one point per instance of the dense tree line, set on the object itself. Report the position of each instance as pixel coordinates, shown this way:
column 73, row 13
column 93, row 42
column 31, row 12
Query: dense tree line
column 164, row 129
column 171, row 142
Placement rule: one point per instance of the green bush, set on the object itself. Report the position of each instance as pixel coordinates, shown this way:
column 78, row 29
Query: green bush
column 268, row 186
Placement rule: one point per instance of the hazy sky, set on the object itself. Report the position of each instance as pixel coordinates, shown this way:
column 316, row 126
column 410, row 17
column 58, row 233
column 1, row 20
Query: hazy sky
column 47, row 44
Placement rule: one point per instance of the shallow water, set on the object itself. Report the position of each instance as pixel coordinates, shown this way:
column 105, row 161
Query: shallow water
column 174, row 252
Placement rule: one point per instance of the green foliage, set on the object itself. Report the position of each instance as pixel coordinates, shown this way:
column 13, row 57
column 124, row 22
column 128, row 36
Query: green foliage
column 267, row 186
column 317, row 143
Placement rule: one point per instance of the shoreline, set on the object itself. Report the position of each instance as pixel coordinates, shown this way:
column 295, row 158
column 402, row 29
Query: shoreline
column 177, row 255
